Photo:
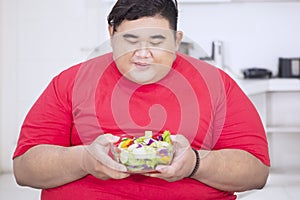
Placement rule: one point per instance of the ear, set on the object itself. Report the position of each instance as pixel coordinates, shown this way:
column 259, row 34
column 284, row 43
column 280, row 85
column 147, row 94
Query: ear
column 110, row 30
column 179, row 36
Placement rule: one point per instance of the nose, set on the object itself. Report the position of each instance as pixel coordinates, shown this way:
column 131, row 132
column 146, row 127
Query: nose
column 143, row 51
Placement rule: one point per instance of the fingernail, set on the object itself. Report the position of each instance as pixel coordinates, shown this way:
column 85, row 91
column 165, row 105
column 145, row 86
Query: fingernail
column 112, row 138
column 160, row 168
column 115, row 138
column 123, row 169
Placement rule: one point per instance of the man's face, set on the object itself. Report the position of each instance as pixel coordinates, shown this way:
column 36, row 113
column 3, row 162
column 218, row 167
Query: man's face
column 144, row 49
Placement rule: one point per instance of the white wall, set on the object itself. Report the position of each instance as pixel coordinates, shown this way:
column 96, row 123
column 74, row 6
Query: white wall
column 254, row 34
column 39, row 39
column 283, row 115
column 1, row 66
column 8, row 122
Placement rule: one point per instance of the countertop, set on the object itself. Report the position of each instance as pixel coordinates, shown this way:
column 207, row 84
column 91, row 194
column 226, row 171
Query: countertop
column 256, row 86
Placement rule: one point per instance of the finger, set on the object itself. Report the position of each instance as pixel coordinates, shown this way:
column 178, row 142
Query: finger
column 180, row 141
column 107, row 173
column 154, row 175
column 117, row 175
column 107, row 139
column 112, row 138
column 170, row 169
column 102, row 143
column 109, row 162
column 161, row 168
column 97, row 152
column 181, row 145
column 115, row 165
column 161, row 176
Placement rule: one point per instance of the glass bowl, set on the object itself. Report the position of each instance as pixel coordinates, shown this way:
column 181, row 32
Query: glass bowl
column 142, row 160
column 143, row 154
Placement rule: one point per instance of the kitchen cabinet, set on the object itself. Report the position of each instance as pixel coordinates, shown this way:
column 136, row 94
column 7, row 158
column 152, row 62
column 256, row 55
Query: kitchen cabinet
column 284, row 106
column 278, row 103
column 283, row 125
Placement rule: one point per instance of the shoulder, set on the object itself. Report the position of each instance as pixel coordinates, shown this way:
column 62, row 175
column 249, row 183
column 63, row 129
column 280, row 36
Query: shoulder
column 218, row 81
column 203, row 68
column 199, row 68
column 69, row 75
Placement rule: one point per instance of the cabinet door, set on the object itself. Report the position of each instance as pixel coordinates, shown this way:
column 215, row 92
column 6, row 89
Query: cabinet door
column 51, row 35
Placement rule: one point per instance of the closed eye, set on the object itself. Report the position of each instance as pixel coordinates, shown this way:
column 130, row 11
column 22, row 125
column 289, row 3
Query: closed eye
column 157, row 39
column 156, row 43
column 132, row 39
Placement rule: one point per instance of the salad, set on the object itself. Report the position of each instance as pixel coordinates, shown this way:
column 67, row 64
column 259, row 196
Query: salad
column 143, row 154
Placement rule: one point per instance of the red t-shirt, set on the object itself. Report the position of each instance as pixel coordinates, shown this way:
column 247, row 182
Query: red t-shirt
column 195, row 99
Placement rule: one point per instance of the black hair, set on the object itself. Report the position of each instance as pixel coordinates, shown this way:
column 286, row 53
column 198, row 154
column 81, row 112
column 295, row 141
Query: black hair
column 135, row 9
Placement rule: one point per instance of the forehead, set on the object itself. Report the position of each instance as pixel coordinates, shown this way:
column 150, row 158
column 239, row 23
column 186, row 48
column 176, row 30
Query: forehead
column 145, row 23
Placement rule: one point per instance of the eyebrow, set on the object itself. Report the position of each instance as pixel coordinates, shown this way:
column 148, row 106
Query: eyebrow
column 128, row 35
column 158, row 37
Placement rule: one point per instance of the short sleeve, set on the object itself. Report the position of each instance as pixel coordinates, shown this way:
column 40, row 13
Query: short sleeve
column 242, row 128
column 49, row 120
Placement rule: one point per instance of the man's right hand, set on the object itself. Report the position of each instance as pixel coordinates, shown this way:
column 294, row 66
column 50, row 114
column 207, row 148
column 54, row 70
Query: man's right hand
column 97, row 162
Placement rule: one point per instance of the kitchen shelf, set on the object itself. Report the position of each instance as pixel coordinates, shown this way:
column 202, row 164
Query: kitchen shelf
column 284, row 84
column 256, row 86
column 283, row 129
column 276, row 101
column 203, row 1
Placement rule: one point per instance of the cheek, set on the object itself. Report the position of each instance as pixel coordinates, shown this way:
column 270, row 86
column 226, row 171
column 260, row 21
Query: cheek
column 123, row 63
column 164, row 58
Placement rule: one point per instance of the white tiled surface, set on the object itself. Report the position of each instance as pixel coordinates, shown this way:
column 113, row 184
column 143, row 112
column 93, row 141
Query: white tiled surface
column 280, row 186
column 9, row 190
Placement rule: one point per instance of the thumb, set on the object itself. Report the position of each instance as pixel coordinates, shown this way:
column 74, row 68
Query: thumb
column 107, row 139
column 180, row 141
column 181, row 146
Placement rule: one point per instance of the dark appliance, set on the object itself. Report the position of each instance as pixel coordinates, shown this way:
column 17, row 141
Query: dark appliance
column 289, row 68
column 257, row 73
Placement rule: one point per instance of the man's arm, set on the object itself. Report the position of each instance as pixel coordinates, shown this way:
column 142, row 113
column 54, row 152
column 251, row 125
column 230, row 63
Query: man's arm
column 48, row 166
column 227, row 169
column 231, row 170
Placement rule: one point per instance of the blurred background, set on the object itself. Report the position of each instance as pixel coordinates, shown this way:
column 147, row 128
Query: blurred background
column 38, row 39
